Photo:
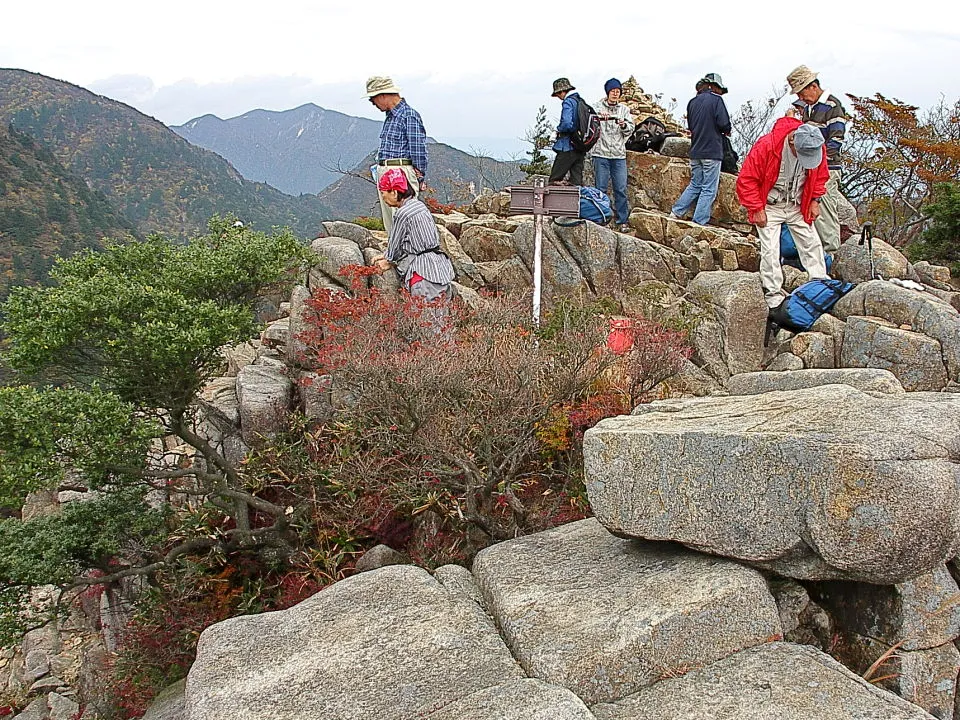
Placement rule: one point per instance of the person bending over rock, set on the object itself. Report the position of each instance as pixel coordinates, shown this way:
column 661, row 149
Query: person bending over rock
column 781, row 182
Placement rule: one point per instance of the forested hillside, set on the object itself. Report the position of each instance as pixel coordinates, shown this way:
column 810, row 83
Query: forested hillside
column 45, row 211
column 156, row 179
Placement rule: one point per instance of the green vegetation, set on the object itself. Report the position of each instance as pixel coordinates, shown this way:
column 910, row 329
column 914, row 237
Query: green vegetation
column 539, row 137
column 45, row 212
column 940, row 242
column 129, row 335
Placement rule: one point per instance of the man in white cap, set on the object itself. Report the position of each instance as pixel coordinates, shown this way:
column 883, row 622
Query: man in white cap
column 782, row 181
column 824, row 111
column 403, row 140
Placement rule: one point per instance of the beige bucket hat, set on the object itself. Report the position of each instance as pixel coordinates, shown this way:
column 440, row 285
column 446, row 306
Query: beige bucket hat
column 800, row 77
column 381, row 85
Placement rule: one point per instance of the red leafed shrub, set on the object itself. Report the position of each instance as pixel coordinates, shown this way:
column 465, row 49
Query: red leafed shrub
column 435, row 206
column 453, row 400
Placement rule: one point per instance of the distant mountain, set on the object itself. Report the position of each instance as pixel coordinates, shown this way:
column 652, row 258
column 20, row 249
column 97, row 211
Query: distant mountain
column 454, row 176
column 297, row 151
column 155, row 178
column 45, row 212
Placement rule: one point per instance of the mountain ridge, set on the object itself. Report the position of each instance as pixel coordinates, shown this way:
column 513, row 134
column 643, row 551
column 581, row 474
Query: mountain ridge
column 298, row 151
column 156, row 179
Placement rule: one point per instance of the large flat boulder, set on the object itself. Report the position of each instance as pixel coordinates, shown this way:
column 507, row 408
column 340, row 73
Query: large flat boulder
column 604, row 616
column 777, row 681
column 820, row 483
column 332, row 255
column 390, row 644
column 868, row 379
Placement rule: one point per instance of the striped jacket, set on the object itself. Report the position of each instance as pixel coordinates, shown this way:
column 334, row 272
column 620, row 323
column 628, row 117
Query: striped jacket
column 828, row 114
column 414, row 234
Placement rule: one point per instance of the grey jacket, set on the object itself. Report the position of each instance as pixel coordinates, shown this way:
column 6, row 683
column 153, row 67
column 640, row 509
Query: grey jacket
column 614, row 135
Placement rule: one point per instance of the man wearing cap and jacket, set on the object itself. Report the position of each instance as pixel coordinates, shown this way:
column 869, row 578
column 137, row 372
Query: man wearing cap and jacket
column 609, row 155
column 824, row 111
column 403, row 140
column 782, row 180
column 568, row 162
column 708, row 120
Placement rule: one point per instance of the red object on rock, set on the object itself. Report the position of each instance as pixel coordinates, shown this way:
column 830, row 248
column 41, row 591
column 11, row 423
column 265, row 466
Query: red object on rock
column 620, row 338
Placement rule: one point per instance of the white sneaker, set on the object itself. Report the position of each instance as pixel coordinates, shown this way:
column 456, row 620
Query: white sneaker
column 673, row 217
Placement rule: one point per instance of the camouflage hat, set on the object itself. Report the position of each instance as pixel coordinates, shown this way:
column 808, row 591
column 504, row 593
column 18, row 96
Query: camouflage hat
column 800, row 77
column 561, row 85
column 381, row 85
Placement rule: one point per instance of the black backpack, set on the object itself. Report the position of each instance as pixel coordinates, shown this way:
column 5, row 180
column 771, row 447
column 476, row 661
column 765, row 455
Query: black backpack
column 588, row 127
column 649, row 135
column 731, row 160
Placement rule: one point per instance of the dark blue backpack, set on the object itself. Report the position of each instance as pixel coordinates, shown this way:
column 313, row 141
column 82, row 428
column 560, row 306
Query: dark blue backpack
column 788, row 250
column 595, row 206
column 808, row 302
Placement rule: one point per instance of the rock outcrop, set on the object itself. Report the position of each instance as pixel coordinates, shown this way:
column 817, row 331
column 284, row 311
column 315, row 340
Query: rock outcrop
column 813, row 484
column 779, row 680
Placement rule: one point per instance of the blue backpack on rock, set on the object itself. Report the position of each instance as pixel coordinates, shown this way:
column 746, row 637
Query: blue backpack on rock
column 808, row 302
column 595, row 206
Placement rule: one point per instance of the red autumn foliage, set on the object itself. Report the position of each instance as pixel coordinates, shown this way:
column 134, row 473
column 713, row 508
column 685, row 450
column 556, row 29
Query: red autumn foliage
column 452, row 400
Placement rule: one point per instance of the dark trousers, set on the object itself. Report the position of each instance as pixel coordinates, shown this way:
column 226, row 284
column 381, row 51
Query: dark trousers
column 568, row 161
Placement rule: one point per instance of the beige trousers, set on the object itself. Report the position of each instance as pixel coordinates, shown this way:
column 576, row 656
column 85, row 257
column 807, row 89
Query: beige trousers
column 828, row 224
column 385, row 209
column 808, row 247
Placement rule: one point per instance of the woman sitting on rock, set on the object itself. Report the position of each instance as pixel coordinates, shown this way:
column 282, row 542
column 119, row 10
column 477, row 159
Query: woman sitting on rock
column 413, row 247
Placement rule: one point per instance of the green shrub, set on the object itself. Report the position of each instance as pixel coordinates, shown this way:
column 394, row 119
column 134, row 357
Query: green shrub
column 940, row 242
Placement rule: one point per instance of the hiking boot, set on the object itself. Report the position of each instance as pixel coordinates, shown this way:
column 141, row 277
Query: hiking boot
column 625, row 228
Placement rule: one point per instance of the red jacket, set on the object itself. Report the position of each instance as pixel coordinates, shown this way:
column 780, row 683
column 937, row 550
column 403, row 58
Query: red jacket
column 762, row 167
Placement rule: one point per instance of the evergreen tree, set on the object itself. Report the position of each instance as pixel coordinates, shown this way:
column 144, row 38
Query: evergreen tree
column 539, row 137
column 940, row 242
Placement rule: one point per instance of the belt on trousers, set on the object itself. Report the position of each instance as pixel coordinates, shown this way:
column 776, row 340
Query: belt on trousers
column 395, row 161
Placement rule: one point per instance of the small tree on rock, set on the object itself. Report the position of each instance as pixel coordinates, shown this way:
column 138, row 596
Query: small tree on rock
column 539, row 136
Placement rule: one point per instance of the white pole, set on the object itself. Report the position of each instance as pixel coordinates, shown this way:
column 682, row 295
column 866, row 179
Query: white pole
column 537, row 265
column 539, row 185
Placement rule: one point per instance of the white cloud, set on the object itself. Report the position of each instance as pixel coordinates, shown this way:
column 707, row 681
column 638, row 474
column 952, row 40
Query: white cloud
column 473, row 70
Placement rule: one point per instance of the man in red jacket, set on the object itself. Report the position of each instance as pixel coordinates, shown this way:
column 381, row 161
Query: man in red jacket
column 782, row 180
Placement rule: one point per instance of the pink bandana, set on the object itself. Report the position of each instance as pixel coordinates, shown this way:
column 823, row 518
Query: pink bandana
column 393, row 179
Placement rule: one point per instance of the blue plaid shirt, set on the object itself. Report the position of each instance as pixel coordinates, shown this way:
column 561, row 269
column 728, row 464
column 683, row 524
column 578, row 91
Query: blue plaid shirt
column 403, row 137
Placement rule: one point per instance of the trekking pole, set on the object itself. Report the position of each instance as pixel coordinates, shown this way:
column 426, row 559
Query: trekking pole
column 866, row 233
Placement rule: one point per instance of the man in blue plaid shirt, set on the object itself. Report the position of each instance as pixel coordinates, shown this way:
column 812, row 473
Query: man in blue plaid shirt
column 403, row 141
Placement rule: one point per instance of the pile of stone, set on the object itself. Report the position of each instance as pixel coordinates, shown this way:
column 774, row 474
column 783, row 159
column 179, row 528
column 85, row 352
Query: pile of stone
column 643, row 105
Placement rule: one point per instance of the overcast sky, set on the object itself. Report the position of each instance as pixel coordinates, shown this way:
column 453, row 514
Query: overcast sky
column 477, row 72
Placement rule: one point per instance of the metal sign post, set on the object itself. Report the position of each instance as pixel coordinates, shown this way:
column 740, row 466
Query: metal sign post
column 542, row 200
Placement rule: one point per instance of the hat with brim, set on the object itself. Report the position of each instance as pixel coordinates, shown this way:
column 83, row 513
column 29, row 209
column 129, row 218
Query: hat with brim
column 715, row 79
column 808, row 142
column 561, row 85
column 381, row 85
column 800, row 77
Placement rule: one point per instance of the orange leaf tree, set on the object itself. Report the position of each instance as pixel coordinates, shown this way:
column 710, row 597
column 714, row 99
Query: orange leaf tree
column 895, row 156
